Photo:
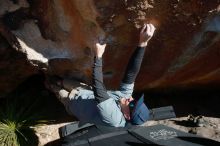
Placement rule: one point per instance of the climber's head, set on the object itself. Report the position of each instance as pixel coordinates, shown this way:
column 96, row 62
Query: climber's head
column 139, row 111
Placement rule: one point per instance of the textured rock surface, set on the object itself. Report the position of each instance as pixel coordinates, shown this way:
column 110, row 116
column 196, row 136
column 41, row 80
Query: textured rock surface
column 57, row 37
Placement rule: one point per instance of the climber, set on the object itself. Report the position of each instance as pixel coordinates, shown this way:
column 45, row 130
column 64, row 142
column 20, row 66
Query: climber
column 113, row 108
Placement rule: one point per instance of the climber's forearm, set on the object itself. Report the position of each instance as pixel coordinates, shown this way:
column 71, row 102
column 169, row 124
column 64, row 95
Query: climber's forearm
column 134, row 66
column 99, row 89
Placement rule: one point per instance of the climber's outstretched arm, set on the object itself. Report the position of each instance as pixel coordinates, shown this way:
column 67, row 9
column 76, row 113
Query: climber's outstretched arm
column 133, row 68
column 99, row 89
column 135, row 61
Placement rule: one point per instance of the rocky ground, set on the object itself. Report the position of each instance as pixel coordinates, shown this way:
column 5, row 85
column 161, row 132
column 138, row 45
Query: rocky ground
column 48, row 133
column 206, row 127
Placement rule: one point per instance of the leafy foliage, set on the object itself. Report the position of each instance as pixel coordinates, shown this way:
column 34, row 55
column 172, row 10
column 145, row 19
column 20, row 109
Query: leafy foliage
column 28, row 106
column 16, row 124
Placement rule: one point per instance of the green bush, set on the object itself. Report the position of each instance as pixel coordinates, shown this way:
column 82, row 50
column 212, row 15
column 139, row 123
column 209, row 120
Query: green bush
column 8, row 130
column 17, row 120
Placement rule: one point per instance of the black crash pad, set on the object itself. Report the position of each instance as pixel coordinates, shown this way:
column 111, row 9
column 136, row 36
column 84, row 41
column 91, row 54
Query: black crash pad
column 167, row 136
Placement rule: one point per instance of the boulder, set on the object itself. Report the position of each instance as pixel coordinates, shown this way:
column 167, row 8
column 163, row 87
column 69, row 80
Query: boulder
column 57, row 37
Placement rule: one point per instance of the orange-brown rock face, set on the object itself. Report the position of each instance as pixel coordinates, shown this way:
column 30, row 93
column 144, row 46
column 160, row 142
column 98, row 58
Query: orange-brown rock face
column 57, row 37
